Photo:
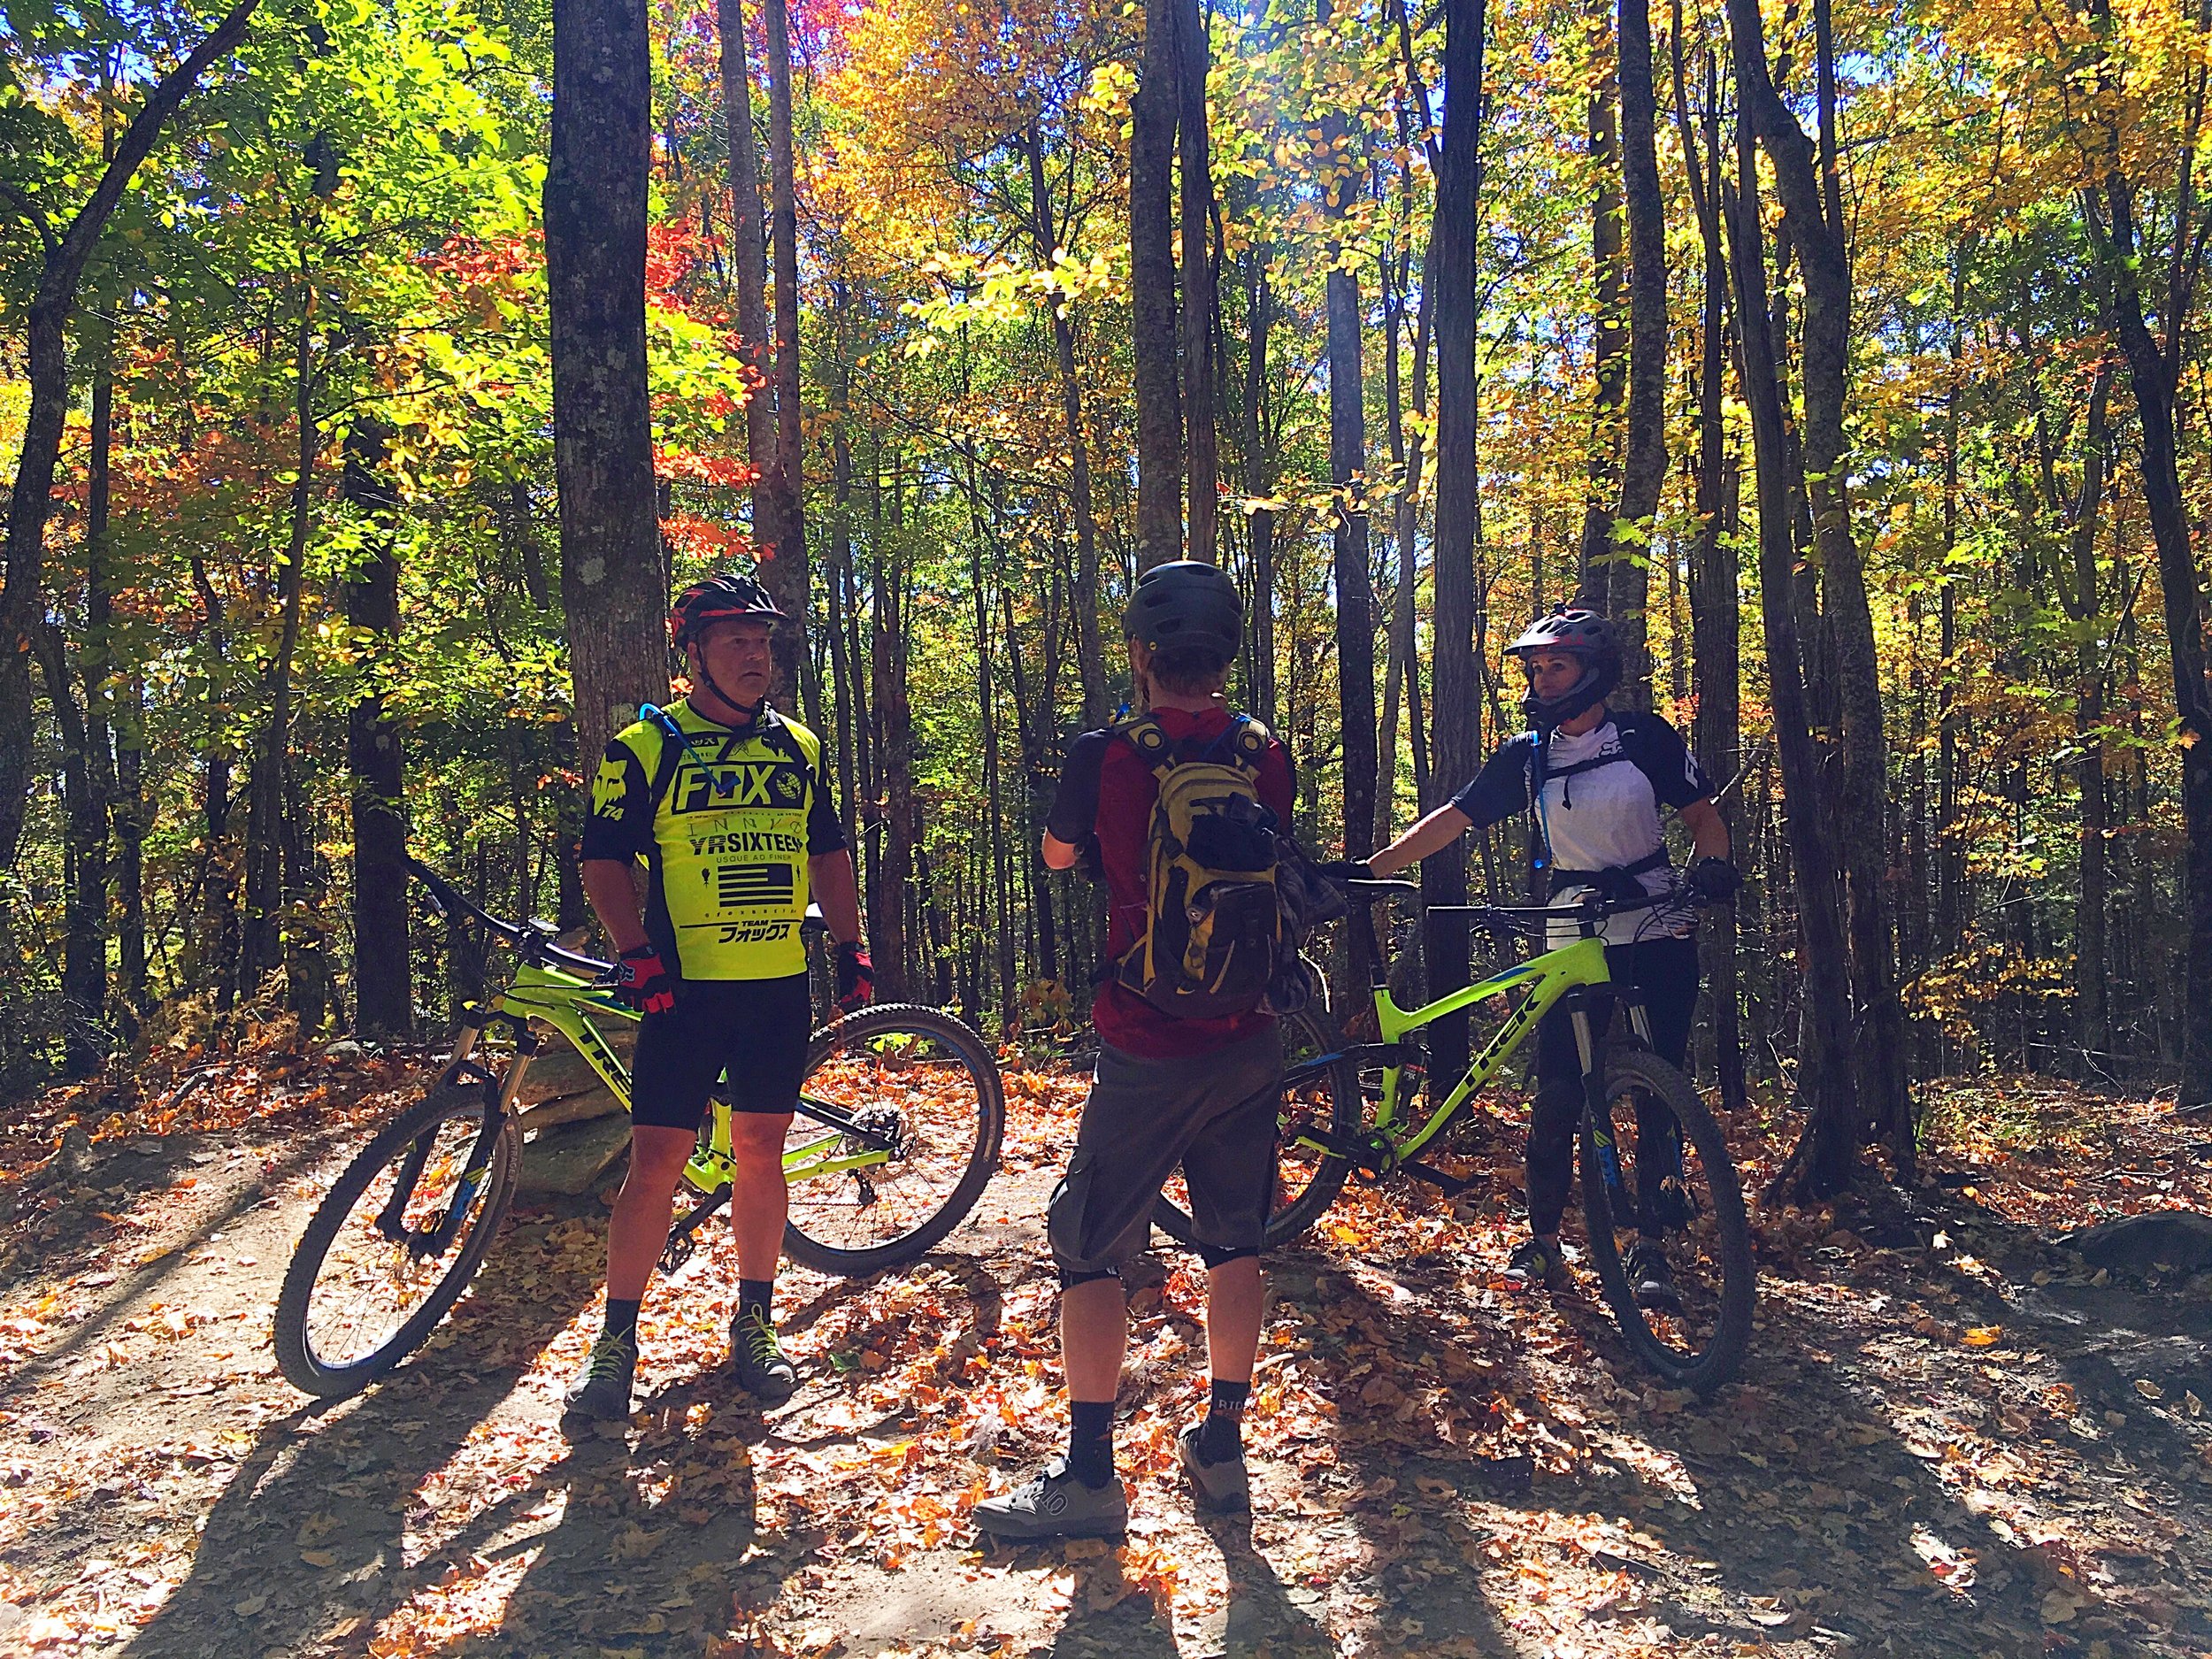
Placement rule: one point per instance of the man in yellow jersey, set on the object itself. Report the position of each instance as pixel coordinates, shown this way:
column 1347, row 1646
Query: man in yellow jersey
column 727, row 803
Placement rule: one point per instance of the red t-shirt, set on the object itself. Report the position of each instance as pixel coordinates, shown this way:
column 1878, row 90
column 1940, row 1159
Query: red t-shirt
column 1107, row 789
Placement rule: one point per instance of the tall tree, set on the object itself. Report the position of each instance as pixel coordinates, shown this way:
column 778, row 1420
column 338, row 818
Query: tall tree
column 64, row 253
column 1201, row 303
column 383, row 983
column 787, row 572
column 749, row 251
column 1152, row 313
column 1806, row 181
column 612, row 582
column 1458, row 689
column 1644, row 463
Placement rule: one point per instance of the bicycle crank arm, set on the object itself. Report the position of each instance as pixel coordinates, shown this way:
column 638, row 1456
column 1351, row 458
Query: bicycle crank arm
column 1450, row 1185
column 680, row 1243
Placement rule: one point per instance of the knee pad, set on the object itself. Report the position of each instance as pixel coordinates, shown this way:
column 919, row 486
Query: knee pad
column 1070, row 1279
column 1214, row 1256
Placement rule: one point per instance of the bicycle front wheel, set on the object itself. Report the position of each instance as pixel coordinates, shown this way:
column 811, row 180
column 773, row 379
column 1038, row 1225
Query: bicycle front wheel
column 921, row 1090
column 1681, row 1198
column 1317, row 1093
column 395, row 1241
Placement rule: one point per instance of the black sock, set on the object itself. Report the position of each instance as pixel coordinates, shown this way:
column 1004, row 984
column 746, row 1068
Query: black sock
column 621, row 1317
column 1091, row 1441
column 756, row 1295
column 1221, row 1437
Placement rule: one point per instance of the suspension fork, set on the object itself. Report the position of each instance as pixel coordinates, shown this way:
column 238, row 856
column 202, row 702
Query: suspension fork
column 1592, row 1054
column 391, row 1222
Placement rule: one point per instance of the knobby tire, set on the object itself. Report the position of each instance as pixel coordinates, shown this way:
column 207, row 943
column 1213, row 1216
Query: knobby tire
column 294, row 1353
column 1721, row 1356
column 886, row 1019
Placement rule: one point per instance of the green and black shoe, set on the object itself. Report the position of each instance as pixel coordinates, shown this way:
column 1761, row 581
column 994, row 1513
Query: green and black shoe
column 759, row 1360
column 601, row 1392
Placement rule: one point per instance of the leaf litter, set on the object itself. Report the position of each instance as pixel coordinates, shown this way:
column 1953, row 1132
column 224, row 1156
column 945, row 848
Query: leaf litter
column 1950, row 1437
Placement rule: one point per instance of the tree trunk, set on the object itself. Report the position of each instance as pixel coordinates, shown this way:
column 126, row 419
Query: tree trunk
column 611, row 582
column 1827, row 1154
column 786, row 574
column 1152, row 312
column 84, row 849
column 383, row 980
column 1452, row 259
column 1813, row 213
column 889, row 893
column 266, row 939
column 1610, row 270
column 1714, row 615
column 1645, row 466
column 1193, row 57
column 23, row 589
column 748, row 252
column 1348, row 480
column 1090, row 652
column 2154, row 374
column 1259, row 478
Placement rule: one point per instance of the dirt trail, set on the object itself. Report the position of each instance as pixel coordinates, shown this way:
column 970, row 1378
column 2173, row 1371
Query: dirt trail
column 1949, row 1438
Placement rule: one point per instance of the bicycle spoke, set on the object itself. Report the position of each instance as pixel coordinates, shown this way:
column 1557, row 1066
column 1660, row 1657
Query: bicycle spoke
column 370, row 1284
column 918, row 1107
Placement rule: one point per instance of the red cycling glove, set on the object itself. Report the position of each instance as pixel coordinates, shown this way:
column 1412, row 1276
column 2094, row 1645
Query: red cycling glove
column 855, row 977
column 642, row 981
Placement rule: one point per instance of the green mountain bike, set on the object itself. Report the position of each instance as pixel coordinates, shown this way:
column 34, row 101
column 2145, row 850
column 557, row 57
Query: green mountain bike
column 1349, row 1109
column 895, row 1136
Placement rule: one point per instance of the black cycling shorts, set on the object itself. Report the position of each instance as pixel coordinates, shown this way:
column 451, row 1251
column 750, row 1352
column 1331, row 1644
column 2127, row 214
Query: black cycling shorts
column 754, row 1031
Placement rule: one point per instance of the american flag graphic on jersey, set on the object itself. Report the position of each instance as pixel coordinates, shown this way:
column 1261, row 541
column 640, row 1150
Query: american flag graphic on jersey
column 745, row 884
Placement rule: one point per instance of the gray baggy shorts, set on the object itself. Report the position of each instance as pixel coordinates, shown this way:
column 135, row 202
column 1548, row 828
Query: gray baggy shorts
column 1214, row 1114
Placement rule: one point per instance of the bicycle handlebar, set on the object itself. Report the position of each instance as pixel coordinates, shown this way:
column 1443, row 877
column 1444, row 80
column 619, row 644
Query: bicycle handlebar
column 1586, row 913
column 529, row 939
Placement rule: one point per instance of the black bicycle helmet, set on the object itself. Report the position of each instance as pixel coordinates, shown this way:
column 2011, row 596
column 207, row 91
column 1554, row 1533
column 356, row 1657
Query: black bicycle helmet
column 716, row 599
column 1186, row 605
column 1586, row 635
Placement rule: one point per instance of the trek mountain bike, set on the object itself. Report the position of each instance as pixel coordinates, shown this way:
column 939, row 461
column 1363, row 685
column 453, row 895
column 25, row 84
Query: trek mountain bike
column 895, row 1135
column 1349, row 1109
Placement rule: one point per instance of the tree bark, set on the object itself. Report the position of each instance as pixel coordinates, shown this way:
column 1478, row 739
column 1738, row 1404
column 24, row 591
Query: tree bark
column 383, row 980
column 1452, row 259
column 748, row 253
column 22, row 591
column 1090, row 651
column 1609, row 261
column 1152, row 311
column 1813, row 213
column 1714, row 616
column 1259, row 482
column 1644, row 467
column 611, row 582
column 1201, row 301
column 2154, row 376
column 786, row 574
column 1826, row 1156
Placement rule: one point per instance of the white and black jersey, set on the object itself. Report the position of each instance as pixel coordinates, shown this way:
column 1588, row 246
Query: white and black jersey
column 1595, row 802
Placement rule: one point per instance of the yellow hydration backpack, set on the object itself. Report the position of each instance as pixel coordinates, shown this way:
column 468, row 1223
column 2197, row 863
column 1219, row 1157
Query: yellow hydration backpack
column 1214, row 924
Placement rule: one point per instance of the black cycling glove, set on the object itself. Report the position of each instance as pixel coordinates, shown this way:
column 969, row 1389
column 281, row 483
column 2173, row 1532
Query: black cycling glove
column 1342, row 869
column 1715, row 879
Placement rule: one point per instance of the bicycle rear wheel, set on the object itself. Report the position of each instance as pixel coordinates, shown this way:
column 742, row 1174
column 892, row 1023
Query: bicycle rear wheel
column 1315, row 1096
column 929, row 1085
column 1698, row 1210
column 395, row 1241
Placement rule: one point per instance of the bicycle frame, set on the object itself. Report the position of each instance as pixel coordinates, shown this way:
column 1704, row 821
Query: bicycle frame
column 560, row 1000
column 1549, row 979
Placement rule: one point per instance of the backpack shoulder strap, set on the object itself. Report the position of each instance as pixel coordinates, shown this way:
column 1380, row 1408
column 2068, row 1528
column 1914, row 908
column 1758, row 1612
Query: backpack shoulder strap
column 671, row 756
column 1150, row 739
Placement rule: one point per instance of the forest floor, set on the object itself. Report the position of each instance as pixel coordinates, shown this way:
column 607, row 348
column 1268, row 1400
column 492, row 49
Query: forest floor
column 1952, row 1436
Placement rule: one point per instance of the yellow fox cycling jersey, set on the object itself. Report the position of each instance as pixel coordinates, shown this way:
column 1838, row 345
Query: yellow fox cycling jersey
column 726, row 822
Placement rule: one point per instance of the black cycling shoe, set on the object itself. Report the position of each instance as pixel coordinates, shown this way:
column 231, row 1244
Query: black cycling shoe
column 759, row 1360
column 1535, row 1263
column 1650, row 1277
column 601, row 1392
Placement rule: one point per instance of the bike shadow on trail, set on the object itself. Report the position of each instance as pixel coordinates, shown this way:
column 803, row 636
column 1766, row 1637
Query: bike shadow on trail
column 306, row 1546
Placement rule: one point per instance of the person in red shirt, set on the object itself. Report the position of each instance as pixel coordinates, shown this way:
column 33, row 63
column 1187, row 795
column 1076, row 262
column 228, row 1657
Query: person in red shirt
column 1203, row 1094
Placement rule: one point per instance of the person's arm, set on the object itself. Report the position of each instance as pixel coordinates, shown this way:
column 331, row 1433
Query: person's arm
column 829, row 877
column 1074, row 815
column 1708, row 834
column 1431, row 834
column 613, row 897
